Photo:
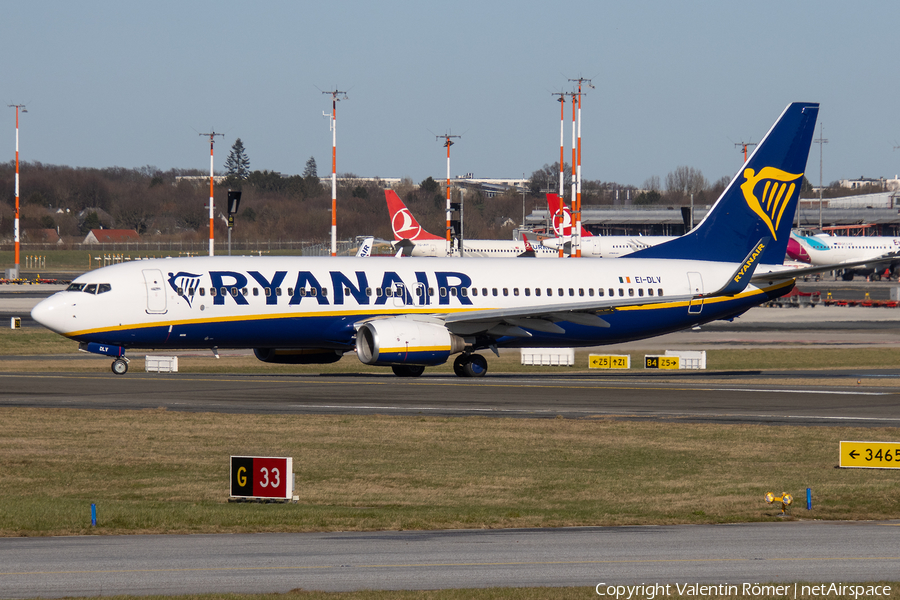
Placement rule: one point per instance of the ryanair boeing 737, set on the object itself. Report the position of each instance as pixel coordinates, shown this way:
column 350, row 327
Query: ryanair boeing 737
column 417, row 312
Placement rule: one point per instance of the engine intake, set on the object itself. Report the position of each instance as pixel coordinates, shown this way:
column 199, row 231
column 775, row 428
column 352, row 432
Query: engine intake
column 405, row 342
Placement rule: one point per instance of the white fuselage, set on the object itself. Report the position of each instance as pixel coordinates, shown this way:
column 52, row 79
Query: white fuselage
column 481, row 249
column 609, row 246
column 253, row 302
column 825, row 249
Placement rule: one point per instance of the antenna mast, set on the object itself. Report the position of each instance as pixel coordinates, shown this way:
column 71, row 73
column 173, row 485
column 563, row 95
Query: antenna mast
column 16, row 226
column 334, row 100
column 212, row 139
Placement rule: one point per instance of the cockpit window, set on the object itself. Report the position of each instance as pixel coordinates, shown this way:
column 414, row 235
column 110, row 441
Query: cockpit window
column 90, row 288
column 103, row 287
column 75, row 287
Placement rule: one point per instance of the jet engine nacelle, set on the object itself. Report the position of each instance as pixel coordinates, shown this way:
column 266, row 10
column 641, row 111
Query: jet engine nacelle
column 297, row 356
column 405, row 342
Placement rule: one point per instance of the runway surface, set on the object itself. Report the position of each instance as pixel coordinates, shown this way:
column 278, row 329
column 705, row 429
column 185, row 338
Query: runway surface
column 819, row 552
column 688, row 398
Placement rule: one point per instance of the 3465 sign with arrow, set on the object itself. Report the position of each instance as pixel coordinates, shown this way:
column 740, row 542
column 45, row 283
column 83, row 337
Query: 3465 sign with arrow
column 871, row 455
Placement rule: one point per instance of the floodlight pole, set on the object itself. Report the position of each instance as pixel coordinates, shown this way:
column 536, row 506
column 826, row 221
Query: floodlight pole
column 574, row 251
column 562, row 174
column 447, row 143
column 16, row 226
column 334, row 101
column 576, row 200
column 821, row 142
column 212, row 138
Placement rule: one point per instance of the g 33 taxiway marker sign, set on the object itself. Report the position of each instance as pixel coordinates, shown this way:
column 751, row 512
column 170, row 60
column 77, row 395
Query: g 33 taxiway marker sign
column 261, row 477
column 870, row 455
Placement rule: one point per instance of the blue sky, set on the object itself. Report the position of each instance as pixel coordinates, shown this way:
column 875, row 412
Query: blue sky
column 676, row 83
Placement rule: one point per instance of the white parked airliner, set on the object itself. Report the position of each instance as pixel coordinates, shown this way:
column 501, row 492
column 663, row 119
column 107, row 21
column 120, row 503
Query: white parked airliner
column 412, row 237
column 593, row 246
column 412, row 313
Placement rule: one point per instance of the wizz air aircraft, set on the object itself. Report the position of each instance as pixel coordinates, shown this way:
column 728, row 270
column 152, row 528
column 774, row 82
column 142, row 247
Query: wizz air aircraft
column 412, row 313
column 824, row 249
column 595, row 246
column 410, row 235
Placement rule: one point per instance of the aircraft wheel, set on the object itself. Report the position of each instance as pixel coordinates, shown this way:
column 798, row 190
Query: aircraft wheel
column 847, row 276
column 408, row 370
column 119, row 367
column 459, row 365
column 472, row 365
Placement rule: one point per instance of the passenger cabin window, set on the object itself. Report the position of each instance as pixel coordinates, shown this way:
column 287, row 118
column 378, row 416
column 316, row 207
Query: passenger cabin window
column 505, row 291
column 527, row 291
column 202, row 291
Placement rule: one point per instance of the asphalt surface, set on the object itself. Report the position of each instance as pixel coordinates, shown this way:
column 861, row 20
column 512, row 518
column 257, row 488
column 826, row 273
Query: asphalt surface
column 689, row 397
column 742, row 554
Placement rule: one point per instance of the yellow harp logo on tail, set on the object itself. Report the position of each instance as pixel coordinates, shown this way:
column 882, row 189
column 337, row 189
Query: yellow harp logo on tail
column 777, row 190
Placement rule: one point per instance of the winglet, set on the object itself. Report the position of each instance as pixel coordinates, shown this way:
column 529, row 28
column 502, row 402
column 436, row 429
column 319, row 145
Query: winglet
column 744, row 273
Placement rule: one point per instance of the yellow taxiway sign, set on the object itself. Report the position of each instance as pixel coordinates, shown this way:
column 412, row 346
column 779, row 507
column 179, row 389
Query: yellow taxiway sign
column 870, row 455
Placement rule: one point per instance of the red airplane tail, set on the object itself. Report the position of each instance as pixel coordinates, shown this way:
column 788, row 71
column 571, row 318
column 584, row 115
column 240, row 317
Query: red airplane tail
column 403, row 223
column 562, row 223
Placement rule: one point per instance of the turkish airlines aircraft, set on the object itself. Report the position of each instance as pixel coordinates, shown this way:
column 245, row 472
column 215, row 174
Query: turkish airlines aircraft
column 824, row 249
column 596, row 246
column 412, row 313
column 409, row 234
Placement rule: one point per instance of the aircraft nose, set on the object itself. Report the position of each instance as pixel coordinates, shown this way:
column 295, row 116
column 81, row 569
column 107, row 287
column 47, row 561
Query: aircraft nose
column 51, row 313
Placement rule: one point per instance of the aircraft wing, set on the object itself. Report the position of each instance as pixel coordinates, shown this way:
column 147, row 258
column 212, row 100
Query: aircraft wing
column 782, row 272
column 514, row 321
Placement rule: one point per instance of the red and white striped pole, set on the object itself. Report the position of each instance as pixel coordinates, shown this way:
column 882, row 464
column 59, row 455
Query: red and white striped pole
column 578, row 186
column 447, row 144
column 212, row 138
column 574, row 176
column 334, row 101
column 16, row 225
column 562, row 173
column 334, row 175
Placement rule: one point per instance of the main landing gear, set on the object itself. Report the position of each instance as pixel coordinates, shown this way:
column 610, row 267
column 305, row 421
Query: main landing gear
column 470, row 365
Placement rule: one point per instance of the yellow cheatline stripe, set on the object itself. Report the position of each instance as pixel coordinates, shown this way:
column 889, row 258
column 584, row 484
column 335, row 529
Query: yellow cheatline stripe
column 404, row 350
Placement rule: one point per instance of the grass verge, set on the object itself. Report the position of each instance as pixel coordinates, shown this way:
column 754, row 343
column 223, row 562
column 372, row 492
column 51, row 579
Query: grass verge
column 156, row 471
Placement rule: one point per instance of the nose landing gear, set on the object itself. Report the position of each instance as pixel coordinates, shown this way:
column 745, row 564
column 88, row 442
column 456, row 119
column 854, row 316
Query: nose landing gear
column 120, row 366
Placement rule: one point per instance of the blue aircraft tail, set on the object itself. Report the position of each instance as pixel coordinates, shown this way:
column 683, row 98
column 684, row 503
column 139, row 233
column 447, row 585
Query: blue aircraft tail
column 760, row 202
